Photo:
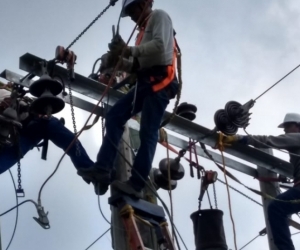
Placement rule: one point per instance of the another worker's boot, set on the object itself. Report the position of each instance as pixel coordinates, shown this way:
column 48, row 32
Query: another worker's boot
column 126, row 187
column 95, row 174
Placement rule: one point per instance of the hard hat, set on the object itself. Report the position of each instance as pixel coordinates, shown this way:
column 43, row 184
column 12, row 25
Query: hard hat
column 290, row 117
column 126, row 3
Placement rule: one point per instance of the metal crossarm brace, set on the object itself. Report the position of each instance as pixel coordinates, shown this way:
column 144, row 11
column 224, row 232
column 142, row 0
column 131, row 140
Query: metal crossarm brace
column 134, row 126
column 93, row 89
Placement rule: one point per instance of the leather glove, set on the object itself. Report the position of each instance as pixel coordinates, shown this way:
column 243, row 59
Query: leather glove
column 117, row 45
column 230, row 139
column 108, row 60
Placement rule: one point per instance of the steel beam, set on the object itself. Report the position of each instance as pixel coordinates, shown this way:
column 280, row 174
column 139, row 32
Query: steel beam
column 173, row 140
column 93, row 89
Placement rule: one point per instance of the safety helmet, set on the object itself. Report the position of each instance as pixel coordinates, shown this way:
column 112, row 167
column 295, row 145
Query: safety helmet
column 290, row 117
column 126, row 3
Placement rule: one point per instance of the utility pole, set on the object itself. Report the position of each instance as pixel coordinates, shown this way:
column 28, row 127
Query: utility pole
column 119, row 236
column 271, row 188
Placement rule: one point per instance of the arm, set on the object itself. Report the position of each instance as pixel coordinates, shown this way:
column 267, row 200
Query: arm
column 286, row 141
column 162, row 30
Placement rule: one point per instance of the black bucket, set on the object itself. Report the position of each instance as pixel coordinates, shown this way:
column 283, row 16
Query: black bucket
column 209, row 230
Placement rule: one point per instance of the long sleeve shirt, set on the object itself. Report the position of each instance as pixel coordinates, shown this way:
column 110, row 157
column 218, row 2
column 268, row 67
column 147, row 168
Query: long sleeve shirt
column 157, row 45
column 289, row 142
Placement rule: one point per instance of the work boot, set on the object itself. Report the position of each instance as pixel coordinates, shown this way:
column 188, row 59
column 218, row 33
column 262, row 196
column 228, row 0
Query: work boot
column 100, row 189
column 126, row 187
column 95, row 174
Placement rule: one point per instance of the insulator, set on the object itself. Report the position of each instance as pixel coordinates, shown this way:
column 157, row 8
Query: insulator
column 236, row 115
column 209, row 230
column 223, row 123
column 187, row 111
column 38, row 87
column 160, row 181
column 47, row 104
column 176, row 169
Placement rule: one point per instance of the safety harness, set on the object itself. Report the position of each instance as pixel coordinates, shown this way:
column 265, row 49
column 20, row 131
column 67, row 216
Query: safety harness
column 159, row 83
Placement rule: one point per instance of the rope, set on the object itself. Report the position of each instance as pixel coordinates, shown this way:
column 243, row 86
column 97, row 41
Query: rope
column 170, row 187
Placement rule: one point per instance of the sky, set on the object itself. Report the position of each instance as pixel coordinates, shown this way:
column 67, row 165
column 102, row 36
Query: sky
column 231, row 50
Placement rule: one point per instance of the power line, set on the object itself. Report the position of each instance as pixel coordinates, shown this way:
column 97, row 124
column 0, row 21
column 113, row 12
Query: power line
column 98, row 238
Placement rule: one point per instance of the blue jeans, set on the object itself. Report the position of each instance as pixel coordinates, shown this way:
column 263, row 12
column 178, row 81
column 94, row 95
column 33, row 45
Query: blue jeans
column 153, row 106
column 278, row 213
column 34, row 132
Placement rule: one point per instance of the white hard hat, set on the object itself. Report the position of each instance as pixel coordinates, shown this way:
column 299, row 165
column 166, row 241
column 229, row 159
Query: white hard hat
column 290, row 117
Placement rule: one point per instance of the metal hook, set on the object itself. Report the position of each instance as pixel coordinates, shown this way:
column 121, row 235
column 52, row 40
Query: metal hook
column 43, row 219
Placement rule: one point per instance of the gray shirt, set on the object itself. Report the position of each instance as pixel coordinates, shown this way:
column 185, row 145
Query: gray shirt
column 157, row 45
column 290, row 142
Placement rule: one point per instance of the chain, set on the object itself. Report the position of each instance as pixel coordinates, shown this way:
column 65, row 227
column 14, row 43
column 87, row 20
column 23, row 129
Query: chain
column 19, row 176
column 215, row 196
column 19, row 189
column 89, row 26
column 102, row 120
column 72, row 113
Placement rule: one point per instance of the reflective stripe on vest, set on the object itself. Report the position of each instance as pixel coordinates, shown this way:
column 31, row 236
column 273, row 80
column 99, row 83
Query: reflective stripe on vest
column 171, row 69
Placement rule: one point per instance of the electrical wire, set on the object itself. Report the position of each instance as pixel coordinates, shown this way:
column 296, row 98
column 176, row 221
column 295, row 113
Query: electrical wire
column 250, row 242
column 17, row 211
column 98, row 238
column 99, row 205
column 277, row 82
column 20, row 204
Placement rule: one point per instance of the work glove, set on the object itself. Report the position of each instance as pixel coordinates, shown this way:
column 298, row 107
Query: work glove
column 117, row 45
column 108, row 60
column 230, row 139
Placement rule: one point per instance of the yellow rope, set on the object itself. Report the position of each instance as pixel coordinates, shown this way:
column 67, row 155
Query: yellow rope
column 221, row 148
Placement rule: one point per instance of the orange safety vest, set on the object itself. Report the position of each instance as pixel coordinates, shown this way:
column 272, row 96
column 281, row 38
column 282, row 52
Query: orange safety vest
column 171, row 69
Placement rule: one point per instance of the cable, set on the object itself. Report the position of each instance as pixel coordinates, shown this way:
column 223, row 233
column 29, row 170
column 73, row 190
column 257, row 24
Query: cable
column 99, row 205
column 240, row 192
column 98, row 238
column 17, row 211
column 20, row 204
column 250, row 242
column 277, row 82
column 296, row 233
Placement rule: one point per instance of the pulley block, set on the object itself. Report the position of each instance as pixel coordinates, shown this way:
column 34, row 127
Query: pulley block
column 187, row 111
column 176, row 169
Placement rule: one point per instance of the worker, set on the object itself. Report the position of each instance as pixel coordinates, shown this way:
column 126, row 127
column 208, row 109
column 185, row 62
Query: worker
column 153, row 60
column 278, row 211
column 34, row 129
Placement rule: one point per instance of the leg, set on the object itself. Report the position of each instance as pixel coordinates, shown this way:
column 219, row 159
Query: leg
column 153, row 110
column 278, row 213
column 62, row 137
column 116, row 118
column 9, row 155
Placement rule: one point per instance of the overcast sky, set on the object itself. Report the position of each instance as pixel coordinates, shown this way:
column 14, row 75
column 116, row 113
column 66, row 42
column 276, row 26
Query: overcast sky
column 232, row 50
